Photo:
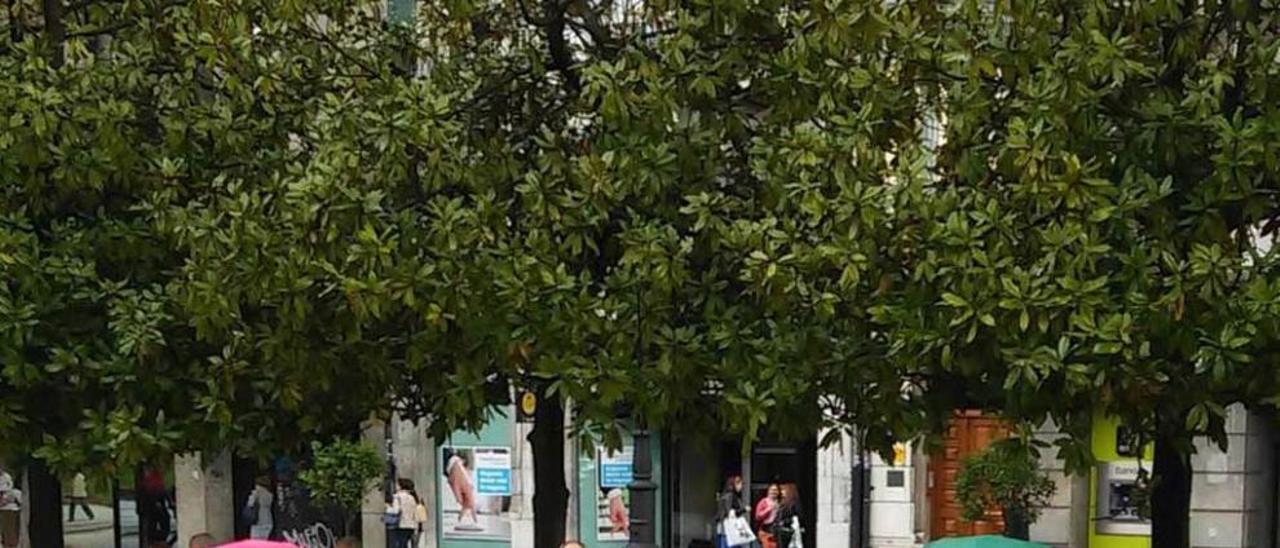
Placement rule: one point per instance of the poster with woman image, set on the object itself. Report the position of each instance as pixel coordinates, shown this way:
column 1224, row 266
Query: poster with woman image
column 475, row 496
column 613, row 499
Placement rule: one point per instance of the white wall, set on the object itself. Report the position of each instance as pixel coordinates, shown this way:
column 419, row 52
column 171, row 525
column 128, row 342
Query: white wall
column 522, row 498
column 894, row 509
column 835, row 499
column 1055, row 523
column 1231, row 490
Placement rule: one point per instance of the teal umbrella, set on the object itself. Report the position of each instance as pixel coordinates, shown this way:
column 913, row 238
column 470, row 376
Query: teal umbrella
column 984, row 541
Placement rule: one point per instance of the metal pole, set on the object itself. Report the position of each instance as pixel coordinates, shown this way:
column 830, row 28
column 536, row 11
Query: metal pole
column 644, row 532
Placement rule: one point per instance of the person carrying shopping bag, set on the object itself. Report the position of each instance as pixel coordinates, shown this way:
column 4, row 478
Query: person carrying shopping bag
column 732, row 527
column 786, row 524
column 404, row 505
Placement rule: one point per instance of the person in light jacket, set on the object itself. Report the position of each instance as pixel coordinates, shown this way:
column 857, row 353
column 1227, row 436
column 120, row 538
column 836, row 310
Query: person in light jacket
column 260, row 501
column 404, row 504
column 79, row 497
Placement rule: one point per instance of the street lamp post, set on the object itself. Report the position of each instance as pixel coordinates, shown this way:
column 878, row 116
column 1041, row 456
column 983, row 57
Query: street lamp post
column 644, row 533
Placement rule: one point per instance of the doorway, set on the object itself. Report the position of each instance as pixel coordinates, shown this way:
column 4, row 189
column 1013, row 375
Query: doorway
column 788, row 462
column 969, row 432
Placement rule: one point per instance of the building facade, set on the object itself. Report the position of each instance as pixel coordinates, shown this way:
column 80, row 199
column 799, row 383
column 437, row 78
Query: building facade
column 850, row 499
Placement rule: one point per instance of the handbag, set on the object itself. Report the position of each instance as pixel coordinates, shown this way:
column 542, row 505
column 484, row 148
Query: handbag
column 737, row 531
column 250, row 513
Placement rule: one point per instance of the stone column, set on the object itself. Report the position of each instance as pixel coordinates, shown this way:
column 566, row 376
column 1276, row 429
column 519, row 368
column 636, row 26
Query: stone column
column 572, row 455
column 372, row 531
column 835, row 478
column 522, row 485
column 204, row 496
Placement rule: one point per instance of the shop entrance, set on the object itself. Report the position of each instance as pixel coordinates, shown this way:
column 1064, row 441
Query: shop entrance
column 699, row 467
column 968, row 433
column 781, row 462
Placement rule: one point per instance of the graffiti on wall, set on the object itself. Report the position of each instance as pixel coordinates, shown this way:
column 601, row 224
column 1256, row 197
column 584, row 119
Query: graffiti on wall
column 318, row 535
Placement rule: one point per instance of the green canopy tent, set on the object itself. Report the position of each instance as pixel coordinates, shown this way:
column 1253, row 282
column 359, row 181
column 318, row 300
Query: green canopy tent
column 984, row 541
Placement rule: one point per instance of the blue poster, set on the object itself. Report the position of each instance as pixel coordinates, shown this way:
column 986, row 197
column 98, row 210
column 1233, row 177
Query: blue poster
column 615, row 474
column 493, row 481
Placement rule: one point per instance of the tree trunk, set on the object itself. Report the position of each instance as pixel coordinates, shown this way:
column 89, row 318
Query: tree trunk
column 550, row 495
column 1171, row 493
column 44, row 505
column 55, row 31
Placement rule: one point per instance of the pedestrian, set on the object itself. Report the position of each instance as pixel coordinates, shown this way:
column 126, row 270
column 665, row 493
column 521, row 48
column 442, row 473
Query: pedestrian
column 258, row 509
column 786, row 523
column 79, row 497
column 766, row 514
column 404, row 503
column 10, row 511
column 154, row 504
column 347, row 542
column 728, row 504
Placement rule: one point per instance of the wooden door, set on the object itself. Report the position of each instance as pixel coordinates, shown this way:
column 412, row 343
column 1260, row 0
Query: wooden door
column 968, row 433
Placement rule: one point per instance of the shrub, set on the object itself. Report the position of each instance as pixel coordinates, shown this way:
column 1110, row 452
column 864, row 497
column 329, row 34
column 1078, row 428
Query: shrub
column 1007, row 476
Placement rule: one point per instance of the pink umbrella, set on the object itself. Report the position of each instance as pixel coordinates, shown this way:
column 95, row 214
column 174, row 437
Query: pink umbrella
column 258, row 544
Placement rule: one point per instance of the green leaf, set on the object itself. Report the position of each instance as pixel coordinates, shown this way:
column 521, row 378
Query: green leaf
column 951, row 299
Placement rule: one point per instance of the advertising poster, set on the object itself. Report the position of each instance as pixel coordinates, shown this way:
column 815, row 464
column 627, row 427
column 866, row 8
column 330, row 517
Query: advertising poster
column 613, row 499
column 475, row 498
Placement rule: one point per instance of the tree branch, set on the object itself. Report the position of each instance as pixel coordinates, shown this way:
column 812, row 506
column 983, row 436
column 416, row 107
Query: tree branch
column 114, row 27
column 557, row 46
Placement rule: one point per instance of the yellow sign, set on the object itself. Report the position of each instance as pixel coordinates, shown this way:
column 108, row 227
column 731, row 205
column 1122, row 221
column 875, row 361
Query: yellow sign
column 899, row 454
column 528, row 403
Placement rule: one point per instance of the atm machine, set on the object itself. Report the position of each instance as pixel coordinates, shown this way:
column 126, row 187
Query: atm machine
column 1117, row 507
column 1114, row 509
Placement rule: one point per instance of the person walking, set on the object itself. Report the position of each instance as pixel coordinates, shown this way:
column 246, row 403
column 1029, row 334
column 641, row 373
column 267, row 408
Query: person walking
column 258, row 509
column 404, row 503
column 10, row 511
column 786, row 525
column 729, row 503
column 766, row 514
column 79, row 497
column 155, row 508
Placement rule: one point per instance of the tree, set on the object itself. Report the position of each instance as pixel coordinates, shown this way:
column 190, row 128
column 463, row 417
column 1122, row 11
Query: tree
column 1092, row 233
column 339, row 475
column 121, row 120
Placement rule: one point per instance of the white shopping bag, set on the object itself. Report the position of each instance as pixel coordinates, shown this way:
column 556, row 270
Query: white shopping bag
column 796, row 541
column 737, row 531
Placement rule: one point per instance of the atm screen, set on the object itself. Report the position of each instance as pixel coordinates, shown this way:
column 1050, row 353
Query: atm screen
column 1122, row 504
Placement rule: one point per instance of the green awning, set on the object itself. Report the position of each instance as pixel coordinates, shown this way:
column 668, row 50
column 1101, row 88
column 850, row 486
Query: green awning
column 985, row 541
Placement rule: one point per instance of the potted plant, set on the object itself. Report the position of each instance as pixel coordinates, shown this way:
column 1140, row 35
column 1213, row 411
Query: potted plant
column 1006, row 475
column 341, row 472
